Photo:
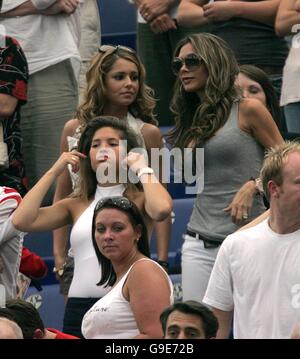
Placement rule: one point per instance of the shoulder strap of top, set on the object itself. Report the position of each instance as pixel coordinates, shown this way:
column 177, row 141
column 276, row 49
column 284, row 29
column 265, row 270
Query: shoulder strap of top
column 166, row 275
column 234, row 114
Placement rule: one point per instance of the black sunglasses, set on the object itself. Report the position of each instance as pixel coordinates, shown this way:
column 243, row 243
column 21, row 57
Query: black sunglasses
column 118, row 202
column 114, row 48
column 190, row 61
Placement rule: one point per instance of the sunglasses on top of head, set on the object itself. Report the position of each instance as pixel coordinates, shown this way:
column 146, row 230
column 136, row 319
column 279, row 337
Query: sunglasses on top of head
column 114, row 48
column 118, row 202
column 191, row 61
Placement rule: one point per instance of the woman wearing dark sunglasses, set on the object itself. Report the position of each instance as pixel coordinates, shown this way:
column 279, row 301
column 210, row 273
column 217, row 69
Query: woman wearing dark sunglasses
column 100, row 151
column 233, row 132
column 115, row 87
column 133, row 305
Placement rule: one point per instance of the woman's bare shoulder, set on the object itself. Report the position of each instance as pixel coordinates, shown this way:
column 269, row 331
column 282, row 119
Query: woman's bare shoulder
column 71, row 126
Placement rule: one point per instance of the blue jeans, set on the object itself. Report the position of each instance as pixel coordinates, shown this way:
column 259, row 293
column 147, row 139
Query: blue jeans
column 292, row 117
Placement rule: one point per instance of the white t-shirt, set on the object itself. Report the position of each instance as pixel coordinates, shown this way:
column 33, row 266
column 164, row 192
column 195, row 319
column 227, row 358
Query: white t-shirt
column 257, row 274
column 46, row 40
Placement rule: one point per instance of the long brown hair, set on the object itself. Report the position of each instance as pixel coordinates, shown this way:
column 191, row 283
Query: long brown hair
column 196, row 121
column 135, row 216
column 95, row 95
column 88, row 181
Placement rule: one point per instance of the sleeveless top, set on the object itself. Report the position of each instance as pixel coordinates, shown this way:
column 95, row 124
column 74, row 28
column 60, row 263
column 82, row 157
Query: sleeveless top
column 87, row 271
column 111, row 317
column 231, row 158
column 134, row 124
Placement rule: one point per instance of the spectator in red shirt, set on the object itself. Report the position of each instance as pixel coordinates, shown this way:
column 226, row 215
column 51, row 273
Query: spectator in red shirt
column 29, row 320
column 13, row 94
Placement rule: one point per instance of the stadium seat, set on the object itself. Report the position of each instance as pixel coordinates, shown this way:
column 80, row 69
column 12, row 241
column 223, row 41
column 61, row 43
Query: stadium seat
column 40, row 243
column 118, row 30
column 182, row 209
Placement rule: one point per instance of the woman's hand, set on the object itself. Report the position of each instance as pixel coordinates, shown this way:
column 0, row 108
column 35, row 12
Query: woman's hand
column 241, row 204
column 135, row 161
column 72, row 158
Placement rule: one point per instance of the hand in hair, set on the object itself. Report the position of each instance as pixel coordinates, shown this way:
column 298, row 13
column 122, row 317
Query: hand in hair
column 135, row 161
column 72, row 158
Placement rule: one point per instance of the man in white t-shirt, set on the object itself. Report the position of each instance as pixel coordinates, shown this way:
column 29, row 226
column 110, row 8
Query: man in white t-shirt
column 49, row 33
column 256, row 275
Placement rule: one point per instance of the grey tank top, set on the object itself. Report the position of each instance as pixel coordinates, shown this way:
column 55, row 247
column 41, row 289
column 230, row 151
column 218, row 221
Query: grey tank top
column 231, row 158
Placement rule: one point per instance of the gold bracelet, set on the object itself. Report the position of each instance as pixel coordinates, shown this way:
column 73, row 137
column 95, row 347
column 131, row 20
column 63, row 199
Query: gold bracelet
column 59, row 271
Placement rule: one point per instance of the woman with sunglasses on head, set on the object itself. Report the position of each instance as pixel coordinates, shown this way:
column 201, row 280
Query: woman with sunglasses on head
column 115, row 87
column 100, row 158
column 133, row 305
column 233, row 133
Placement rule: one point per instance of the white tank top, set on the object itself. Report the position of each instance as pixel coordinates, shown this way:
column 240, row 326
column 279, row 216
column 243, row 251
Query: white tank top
column 87, row 271
column 111, row 317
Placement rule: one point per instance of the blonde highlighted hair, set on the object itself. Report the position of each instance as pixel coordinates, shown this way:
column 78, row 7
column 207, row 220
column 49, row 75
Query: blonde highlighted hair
column 96, row 96
column 197, row 120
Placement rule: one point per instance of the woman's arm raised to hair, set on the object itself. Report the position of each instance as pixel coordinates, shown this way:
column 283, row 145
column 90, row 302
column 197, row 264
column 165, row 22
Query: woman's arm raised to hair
column 30, row 217
column 63, row 190
column 147, row 303
column 153, row 139
column 158, row 203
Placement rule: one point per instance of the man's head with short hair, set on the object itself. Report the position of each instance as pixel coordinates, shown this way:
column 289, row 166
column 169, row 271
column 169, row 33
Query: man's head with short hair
column 27, row 317
column 273, row 166
column 188, row 320
column 9, row 329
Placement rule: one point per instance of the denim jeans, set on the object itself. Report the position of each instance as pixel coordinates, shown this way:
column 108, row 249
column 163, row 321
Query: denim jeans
column 292, row 117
